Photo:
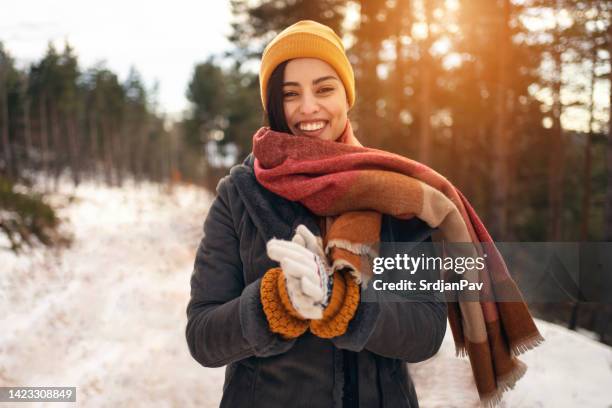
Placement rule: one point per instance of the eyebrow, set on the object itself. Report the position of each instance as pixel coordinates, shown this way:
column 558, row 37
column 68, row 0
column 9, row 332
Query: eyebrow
column 314, row 82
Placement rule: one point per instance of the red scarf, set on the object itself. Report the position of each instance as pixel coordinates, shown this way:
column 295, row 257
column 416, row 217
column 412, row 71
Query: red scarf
column 358, row 184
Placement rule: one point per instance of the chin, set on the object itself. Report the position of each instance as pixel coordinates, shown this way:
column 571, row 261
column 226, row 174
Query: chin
column 335, row 138
column 327, row 137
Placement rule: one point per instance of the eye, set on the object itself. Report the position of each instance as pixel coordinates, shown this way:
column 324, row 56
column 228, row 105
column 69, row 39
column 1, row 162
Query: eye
column 289, row 94
column 326, row 89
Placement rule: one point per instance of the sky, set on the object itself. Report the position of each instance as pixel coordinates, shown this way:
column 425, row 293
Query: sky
column 162, row 39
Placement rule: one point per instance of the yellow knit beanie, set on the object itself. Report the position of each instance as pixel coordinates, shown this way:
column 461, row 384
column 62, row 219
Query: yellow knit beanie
column 307, row 39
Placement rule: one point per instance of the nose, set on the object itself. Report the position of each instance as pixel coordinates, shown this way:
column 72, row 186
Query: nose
column 309, row 104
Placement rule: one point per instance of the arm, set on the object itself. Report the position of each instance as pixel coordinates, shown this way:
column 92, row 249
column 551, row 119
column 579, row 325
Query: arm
column 411, row 331
column 392, row 326
column 225, row 319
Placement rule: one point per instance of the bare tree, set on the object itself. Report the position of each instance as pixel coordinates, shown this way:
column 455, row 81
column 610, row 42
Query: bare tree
column 500, row 145
column 425, row 94
column 4, row 129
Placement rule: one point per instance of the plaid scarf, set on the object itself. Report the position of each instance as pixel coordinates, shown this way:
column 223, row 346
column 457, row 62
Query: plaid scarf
column 356, row 185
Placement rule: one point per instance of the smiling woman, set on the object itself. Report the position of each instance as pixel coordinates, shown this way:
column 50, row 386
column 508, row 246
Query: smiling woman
column 269, row 297
column 277, row 277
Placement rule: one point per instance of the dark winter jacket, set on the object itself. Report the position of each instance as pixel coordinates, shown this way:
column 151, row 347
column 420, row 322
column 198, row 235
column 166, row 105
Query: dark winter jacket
column 364, row 367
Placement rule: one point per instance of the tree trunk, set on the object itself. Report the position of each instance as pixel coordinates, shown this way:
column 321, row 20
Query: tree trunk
column 44, row 136
column 126, row 140
column 573, row 320
column 368, row 121
column 57, row 146
column 608, row 220
column 6, row 143
column 457, row 155
column 586, row 176
column 74, row 149
column 27, row 126
column 556, row 161
column 118, row 154
column 403, row 25
column 108, row 154
column 93, row 137
column 140, row 151
column 425, row 67
column 499, row 201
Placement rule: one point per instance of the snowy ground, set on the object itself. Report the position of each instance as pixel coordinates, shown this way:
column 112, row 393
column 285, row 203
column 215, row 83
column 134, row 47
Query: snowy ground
column 567, row 370
column 108, row 316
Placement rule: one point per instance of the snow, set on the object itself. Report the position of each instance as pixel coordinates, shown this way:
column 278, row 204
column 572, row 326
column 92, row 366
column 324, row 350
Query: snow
column 567, row 370
column 108, row 316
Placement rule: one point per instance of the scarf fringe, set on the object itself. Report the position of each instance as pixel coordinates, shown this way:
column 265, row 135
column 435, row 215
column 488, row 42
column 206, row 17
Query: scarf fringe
column 526, row 344
column 508, row 381
column 505, row 383
column 516, row 349
column 491, row 400
column 356, row 248
column 460, row 350
column 341, row 263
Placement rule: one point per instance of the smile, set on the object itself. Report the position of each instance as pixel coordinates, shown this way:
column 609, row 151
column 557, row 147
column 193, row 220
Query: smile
column 312, row 126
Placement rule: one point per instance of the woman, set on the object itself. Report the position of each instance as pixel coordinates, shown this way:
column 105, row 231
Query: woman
column 275, row 288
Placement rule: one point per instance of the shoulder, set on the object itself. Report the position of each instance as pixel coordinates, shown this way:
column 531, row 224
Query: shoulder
column 228, row 186
column 225, row 187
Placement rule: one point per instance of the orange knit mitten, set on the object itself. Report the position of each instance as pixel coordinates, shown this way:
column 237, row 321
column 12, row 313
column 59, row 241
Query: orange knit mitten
column 282, row 317
column 342, row 307
column 286, row 321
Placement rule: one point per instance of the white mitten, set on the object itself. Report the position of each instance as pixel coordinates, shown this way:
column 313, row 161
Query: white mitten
column 306, row 274
column 310, row 241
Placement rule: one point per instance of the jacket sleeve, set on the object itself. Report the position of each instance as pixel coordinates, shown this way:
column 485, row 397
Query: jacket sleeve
column 411, row 331
column 225, row 318
column 390, row 325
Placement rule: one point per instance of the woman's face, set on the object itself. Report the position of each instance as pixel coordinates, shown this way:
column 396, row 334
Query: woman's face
column 314, row 99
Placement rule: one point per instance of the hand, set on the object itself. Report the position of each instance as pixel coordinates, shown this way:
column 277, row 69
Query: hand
column 306, row 274
column 314, row 244
column 310, row 241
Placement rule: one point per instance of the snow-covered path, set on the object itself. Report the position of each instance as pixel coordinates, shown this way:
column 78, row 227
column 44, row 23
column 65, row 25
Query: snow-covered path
column 108, row 316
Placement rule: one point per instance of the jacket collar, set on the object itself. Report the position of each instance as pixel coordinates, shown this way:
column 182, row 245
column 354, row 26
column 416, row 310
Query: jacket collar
column 273, row 215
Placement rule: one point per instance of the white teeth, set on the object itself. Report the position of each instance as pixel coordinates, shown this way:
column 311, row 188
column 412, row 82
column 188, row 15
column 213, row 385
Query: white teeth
column 311, row 126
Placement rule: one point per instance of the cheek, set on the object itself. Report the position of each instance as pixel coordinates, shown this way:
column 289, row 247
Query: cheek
column 340, row 113
column 340, row 106
column 288, row 109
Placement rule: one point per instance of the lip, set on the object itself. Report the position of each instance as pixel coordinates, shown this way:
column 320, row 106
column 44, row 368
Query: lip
column 312, row 133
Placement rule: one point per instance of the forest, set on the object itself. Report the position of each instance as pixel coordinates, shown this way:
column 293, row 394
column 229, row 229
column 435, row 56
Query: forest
column 509, row 99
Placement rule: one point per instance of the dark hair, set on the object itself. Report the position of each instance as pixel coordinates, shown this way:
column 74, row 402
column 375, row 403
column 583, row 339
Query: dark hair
column 275, row 117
